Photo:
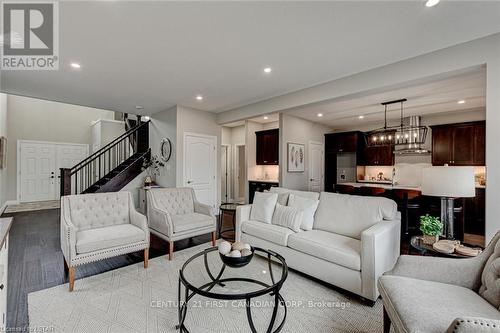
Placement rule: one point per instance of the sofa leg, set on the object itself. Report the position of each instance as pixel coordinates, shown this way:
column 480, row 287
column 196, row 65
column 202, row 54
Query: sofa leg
column 387, row 322
column 71, row 278
column 213, row 238
column 146, row 257
column 170, row 250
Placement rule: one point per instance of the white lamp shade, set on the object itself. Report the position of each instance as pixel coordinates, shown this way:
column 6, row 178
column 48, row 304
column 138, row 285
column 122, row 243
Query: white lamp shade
column 450, row 182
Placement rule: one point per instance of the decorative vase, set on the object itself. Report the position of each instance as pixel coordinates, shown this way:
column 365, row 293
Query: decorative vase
column 428, row 239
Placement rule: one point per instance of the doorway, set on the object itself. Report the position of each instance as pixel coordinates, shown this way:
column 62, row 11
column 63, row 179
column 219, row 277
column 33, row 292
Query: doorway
column 240, row 173
column 225, row 173
column 316, row 166
column 38, row 165
column 200, row 166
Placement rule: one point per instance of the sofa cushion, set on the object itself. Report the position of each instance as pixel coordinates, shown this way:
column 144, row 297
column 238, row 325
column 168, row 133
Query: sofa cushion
column 175, row 201
column 427, row 306
column 350, row 215
column 490, row 279
column 288, row 217
column 303, row 194
column 263, row 206
column 338, row 249
column 90, row 211
column 186, row 222
column 269, row 232
column 307, row 206
column 92, row 240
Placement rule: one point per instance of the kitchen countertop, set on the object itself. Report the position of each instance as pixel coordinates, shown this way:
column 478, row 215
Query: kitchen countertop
column 390, row 187
column 5, row 224
column 264, row 181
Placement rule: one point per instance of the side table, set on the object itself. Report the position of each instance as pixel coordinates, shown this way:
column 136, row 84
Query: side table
column 227, row 208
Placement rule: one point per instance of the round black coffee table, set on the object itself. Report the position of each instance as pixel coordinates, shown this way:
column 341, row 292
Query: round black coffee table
column 220, row 282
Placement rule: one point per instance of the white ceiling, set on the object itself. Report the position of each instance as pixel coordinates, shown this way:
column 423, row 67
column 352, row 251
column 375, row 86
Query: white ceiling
column 158, row 54
column 424, row 99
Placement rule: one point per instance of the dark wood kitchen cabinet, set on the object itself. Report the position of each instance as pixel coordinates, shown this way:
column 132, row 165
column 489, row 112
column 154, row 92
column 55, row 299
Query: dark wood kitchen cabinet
column 268, row 147
column 459, row 144
column 346, row 142
column 381, row 155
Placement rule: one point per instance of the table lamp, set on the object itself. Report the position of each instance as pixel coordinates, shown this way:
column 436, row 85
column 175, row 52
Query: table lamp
column 448, row 182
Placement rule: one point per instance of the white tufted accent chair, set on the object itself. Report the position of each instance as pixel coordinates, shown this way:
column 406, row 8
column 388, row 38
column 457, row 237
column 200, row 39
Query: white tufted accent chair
column 175, row 214
column 100, row 226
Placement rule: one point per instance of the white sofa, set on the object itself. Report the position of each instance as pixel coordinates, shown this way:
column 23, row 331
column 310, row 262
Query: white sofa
column 354, row 239
column 100, row 226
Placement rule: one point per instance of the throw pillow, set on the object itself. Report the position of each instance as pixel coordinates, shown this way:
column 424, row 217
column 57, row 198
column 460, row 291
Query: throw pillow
column 289, row 217
column 263, row 207
column 308, row 208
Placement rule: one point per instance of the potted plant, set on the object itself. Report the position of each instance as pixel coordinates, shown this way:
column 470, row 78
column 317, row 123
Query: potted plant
column 153, row 167
column 431, row 228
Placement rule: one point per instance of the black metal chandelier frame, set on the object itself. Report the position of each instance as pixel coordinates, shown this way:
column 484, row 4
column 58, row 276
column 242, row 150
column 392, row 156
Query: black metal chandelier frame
column 408, row 135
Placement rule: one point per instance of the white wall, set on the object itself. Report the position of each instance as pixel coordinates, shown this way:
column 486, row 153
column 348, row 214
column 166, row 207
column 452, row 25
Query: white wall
column 164, row 125
column 41, row 120
column 3, row 132
column 233, row 137
column 297, row 130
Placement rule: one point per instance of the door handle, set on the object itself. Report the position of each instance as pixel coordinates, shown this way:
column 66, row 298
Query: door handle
column 189, row 182
column 311, row 180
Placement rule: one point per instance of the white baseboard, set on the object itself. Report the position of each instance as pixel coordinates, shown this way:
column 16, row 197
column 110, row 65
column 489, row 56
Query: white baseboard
column 8, row 203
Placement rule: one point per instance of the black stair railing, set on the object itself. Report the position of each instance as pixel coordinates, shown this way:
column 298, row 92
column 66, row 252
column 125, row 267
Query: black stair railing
column 101, row 163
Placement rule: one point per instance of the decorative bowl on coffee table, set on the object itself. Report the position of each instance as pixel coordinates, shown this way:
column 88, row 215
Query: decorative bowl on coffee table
column 237, row 262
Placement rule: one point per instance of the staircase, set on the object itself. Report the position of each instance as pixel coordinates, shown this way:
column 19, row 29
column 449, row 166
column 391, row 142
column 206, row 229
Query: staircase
column 113, row 166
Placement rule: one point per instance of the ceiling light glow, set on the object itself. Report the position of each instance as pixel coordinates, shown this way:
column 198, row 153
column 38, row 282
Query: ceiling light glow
column 266, row 117
column 320, row 115
column 431, row 3
column 76, row 65
column 199, row 98
column 268, row 70
column 361, row 117
column 462, row 101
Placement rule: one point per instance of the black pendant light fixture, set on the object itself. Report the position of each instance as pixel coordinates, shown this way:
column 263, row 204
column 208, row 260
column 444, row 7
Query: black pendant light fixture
column 408, row 135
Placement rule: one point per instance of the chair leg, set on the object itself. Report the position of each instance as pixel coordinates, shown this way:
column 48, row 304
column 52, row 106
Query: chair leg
column 71, row 278
column 146, row 257
column 387, row 322
column 213, row 238
column 170, row 250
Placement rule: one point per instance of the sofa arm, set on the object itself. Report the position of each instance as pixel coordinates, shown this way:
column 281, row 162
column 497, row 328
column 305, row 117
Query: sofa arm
column 460, row 272
column 204, row 209
column 242, row 215
column 380, row 248
column 140, row 221
column 68, row 233
column 474, row 325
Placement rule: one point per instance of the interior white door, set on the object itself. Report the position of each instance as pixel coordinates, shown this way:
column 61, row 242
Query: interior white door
column 39, row 164
column 240, row 173
column 224, row 181
column 37, row 171
column 200, row 156
column 67, row 156
column 316, row 166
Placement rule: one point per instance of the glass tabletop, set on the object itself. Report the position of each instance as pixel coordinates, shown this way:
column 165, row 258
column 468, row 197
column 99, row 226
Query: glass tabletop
column 260, row 276
column 229, row 206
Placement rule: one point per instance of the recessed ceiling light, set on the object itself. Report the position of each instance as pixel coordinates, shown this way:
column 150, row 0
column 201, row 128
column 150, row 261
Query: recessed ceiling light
column 320, row 115
column 361, row 117
column 266, row 117
column 462, row 101
column 146, row 118
column 76, row 65
column 268, row 70
column 199, row 97
column 431, row 3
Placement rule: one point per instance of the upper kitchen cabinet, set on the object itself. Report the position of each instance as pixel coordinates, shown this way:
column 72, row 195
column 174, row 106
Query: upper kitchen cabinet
column 378, row 155
column 459, row 144
column 268, row 147
column 346, row 142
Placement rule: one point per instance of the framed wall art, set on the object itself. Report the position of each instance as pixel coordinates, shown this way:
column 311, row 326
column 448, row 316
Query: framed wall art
column 296, row 157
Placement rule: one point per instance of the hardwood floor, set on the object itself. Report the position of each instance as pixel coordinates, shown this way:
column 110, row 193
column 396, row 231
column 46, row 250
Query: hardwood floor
column 36, row 260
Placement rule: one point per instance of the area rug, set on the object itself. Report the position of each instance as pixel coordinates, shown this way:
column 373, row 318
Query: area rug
column 32, row 206
column 134, row 299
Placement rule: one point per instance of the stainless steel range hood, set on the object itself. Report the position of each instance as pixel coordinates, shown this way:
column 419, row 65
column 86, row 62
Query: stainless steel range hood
column 412, row 148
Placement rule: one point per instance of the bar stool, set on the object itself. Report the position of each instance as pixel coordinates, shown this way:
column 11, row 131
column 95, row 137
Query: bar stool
column 409, row 204
column 344, row 189
column 370, row 191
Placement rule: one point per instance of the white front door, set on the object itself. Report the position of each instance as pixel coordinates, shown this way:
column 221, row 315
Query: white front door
column 38, row 168
column 37, row 172
column 200, row 155
column 316, row 166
